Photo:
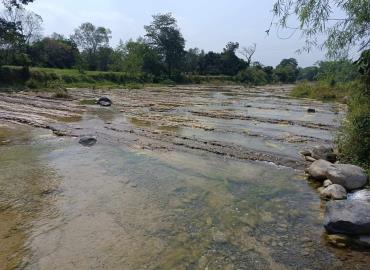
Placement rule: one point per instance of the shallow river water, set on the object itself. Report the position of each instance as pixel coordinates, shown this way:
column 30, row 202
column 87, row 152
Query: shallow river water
column 122, row 206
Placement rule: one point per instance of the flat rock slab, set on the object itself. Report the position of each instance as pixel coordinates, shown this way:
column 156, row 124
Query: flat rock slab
column 350, row 217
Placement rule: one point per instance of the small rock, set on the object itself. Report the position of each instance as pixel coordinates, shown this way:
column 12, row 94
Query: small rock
column 311, row 110
column 318, row 169
column 335, row 192
column 327, row 183
column 349, row 217
column 310, row 159
column 338, row 240
column 219, row 237
column 104, row 101
column 87, row 141
column 349, row 176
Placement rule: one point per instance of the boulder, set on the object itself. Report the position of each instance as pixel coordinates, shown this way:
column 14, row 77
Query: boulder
column 363, row 195
column 335, row 192
column 318, row 169
column 327, row 183
column 350, row 217
column 87, row 141
column 324, row 152
column 349, row 176
column 104, row 101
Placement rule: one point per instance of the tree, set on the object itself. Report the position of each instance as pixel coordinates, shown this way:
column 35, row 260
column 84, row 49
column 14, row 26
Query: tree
column 192, row 61
column 12, row 40
column 9, row 4
column 248, row 53
column 287, row 71
column 316, row 19
column 211, row 64
column 231, row 64
column 308, row 73
column 136, row 57
column 55, row 52
column 90, row 39
column 29, row 23
column 165, row 37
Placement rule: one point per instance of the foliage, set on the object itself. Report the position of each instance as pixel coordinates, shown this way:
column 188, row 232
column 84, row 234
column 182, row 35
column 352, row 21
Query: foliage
column 29, row 23
column 253, row 75
column 337, row 71
column 354, row 140
column 55, row 52
column 308, row 73
column 91, row 40
column 287, row 71
column 324, row 91
column 136, row 57
column 165, row 37
column 350, row 30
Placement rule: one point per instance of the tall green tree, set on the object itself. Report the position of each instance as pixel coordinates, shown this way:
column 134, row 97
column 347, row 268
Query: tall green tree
column 136, row 57
column 165, row 37
column 55, row 52
column 90, row 39
column 287, row 71
column 349, row 29
column 12, row 39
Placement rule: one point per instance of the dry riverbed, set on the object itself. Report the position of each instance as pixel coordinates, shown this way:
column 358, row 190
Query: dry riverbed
column 186, row 177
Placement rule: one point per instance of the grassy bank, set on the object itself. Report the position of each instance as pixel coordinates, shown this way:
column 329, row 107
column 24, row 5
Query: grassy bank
column 49, row 78
column 353, row 138
column 324, row 91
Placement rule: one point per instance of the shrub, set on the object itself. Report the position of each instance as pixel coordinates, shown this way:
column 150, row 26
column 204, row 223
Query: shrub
column 61, row 94
column 323, row 90
column 32, row 84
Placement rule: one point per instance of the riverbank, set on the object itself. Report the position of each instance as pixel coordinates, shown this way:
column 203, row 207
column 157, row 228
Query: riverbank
column 186, row 176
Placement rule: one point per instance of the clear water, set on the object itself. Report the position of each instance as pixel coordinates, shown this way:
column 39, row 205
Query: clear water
column 64, row 206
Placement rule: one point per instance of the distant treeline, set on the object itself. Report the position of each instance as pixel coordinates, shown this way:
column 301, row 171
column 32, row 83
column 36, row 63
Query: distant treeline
column 158, row 56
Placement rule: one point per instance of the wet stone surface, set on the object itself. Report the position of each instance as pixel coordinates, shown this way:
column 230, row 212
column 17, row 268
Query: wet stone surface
column 175, row 181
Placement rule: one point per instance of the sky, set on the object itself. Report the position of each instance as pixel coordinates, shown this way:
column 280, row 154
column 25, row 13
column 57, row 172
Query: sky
column 206, row 24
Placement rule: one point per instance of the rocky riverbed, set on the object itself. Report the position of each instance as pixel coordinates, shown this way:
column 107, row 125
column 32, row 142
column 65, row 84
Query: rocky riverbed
column 186, row 177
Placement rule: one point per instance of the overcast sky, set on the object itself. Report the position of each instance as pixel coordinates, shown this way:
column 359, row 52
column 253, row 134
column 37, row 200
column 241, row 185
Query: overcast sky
column 206, row 24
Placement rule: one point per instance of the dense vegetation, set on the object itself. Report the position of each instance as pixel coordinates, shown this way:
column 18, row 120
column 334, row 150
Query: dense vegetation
column 350, row 31
column 158, row 57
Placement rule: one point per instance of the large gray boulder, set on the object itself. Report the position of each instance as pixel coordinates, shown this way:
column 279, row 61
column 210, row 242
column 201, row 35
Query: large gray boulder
column 349, row 176
column 318, row 169
column 350, row 217
column 363, row 195
column 323, row 152
column 335, row 192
